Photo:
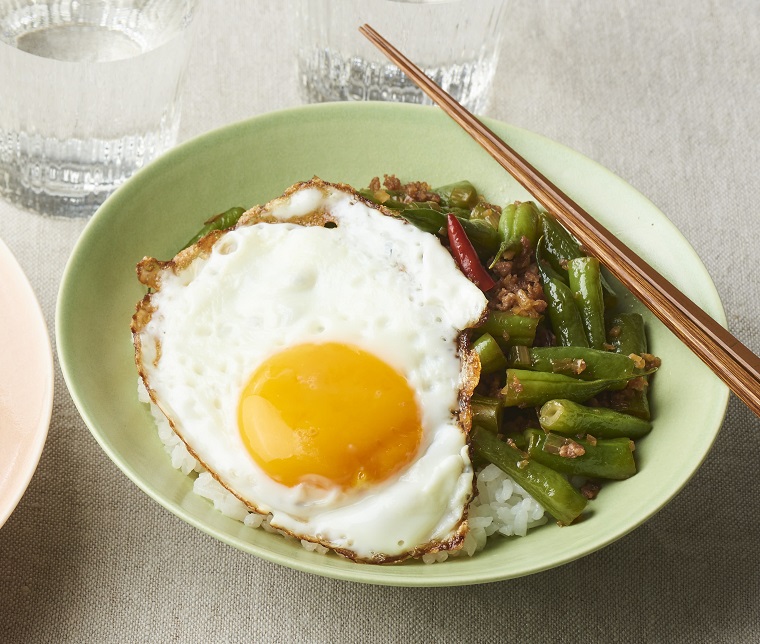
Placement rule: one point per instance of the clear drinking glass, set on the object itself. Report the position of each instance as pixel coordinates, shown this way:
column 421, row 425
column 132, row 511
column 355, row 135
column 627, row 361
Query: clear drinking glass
column 91, row 94
column 456, row 42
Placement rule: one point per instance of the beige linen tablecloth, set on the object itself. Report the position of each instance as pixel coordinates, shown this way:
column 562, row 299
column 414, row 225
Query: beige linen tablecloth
column 666, row 95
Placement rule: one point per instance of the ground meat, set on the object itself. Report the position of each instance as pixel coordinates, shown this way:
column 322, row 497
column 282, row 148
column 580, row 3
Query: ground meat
column 391, row 182
column 638, row 361
column 650, row 361
column 419, row 191
column 519, row 288
column 571, row 449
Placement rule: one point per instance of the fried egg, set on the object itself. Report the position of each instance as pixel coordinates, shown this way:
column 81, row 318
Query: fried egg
column 313, row 359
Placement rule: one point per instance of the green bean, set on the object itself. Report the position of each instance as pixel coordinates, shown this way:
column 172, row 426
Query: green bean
column 545, row 265
column 560, row 304
column 632, row 401
column 564, row 315
column 505, row 222
column 549, row 488
column 568, row 417
column 561, row 247
column 486, row 412
column 533, row 388
column 485, row 211
column 584, row 278
column 510, row 329
column 504, row 229
column 628, row 336
column 525, row 224
column 518, row 220
column 519, row 357
column 490, row 354
column 581, row 362
column 517, row 438
column 600, row 459
column 610, row 297
column 461, row 194
column 222, row 221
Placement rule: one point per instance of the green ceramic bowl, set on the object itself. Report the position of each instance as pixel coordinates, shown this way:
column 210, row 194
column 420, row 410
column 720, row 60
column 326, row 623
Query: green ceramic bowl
column 251, row 162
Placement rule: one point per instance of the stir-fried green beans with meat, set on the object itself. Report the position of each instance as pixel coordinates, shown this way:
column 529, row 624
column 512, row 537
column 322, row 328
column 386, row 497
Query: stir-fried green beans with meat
column 564, row 377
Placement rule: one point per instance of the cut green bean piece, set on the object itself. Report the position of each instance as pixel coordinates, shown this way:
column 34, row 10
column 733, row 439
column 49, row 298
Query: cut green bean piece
column 559, row 244
column 597, row 459
column 490, row 354
column 628, row 336
column 610, row 297
column 484, row 211
column 549, row 488
column 546, row 269
column 518, row 220
column 561, row 247
column 585, row 282
column 222, row 221
column 570, row 418
column 510, row 329
column 518, row 357
column 505, row 222
column 534, row 388
column 525, row 224
column 461, row 194
column 564, row 315
column 631, row 401
column 517, row 440
column 504, row 229
column 486, row 412
column 581, row 362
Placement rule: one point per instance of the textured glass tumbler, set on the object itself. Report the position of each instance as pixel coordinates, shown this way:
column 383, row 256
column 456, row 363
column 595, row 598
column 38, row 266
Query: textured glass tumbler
column 456, row 42
column 91, row 94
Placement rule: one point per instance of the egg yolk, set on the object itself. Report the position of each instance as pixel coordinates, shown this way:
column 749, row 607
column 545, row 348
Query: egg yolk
column 329, row 415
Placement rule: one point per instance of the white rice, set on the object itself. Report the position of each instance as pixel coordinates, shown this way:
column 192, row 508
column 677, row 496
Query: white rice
column 500, row 505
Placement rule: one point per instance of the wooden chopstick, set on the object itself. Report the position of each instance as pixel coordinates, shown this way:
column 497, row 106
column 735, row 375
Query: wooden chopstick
column 724, row 354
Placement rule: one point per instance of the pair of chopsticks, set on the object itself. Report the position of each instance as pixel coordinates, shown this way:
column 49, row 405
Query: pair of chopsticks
column 728, row 358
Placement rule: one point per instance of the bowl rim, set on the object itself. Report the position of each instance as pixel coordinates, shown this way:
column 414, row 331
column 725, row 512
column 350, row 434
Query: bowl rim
column 362, row 573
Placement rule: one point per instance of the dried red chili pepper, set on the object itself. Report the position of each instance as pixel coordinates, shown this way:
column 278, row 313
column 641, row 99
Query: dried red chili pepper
column 465, row 255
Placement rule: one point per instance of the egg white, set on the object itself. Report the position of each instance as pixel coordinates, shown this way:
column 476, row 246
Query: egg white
column 372, row 281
